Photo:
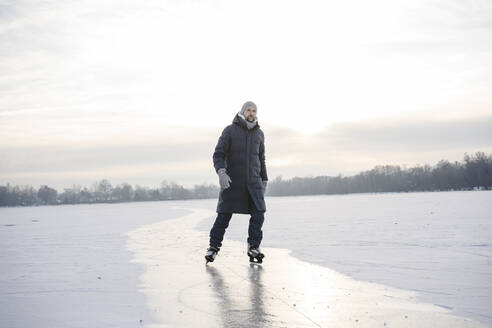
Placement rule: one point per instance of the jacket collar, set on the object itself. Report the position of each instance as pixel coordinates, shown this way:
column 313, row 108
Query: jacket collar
column 242, row 122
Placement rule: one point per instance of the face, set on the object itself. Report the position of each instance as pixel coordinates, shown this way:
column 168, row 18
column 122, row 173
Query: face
column 250, row 114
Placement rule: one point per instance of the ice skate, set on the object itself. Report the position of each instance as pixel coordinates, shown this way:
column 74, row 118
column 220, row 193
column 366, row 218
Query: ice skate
column 255, row 255
column 211, row 254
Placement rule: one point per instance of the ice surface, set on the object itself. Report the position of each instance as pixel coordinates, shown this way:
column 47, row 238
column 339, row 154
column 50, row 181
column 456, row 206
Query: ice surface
column 401, row 257
column 281, row 292
column 436, row 243
column 67, row 266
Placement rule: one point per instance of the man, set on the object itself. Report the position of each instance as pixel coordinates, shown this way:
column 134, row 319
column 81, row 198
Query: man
column 239, row 160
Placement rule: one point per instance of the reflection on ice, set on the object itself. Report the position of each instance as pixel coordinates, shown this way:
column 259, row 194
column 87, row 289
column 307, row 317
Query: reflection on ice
column 243, row 312
column 282, row 292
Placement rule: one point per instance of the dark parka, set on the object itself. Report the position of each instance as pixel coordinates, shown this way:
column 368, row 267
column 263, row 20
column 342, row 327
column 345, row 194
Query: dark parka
column 242, row 153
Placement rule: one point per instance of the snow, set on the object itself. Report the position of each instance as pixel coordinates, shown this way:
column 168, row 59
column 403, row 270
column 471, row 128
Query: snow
column 52, row 257
column 436, row 243
column 416, row 259
column 282, row 292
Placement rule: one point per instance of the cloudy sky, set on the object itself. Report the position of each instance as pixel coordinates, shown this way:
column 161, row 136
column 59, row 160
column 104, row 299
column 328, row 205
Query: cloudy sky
column 139, row 91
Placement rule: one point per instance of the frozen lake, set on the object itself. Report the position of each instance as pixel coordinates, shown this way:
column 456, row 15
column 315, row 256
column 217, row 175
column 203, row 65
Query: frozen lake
column 71, row 266
column 436, row 243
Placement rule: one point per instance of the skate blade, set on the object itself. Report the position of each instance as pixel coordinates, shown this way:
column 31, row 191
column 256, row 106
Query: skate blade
column 258, row 259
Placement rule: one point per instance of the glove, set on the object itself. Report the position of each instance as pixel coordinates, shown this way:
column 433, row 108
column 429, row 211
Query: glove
column 224, row 179
column 264, row 184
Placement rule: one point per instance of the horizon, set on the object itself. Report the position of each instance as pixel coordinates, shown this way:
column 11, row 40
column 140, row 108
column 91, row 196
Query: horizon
column 94, row 184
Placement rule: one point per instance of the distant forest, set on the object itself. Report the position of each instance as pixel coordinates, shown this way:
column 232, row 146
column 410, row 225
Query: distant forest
column 473, row 173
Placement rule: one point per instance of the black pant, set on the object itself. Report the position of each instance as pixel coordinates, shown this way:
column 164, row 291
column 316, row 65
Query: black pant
column 255, row 234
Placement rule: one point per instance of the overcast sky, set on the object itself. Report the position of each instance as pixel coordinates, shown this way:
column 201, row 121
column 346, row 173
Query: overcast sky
column 139, row 91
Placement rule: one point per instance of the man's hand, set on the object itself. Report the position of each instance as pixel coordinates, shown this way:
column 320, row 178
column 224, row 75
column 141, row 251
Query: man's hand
column 264, row 184
column 224, row 179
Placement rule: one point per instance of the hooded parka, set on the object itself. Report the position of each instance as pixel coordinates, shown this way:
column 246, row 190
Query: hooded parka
column 241, row 151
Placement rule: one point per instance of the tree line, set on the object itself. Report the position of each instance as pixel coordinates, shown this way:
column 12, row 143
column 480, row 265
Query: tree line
column 474, row 172
column 101, row 192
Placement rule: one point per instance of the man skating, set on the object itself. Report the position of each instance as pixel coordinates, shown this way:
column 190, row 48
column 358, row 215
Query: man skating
column 239, row 160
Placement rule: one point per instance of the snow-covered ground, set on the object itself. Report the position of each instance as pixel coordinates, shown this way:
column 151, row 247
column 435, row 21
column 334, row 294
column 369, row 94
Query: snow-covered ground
column 67, row 266
column 419, row 259
column 436, row 243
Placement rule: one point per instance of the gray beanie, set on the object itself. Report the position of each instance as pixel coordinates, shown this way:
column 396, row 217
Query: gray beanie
column 248, row 104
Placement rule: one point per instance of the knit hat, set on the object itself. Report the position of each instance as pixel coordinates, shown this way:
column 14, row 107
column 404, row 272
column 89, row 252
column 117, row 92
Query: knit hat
column 246, row 105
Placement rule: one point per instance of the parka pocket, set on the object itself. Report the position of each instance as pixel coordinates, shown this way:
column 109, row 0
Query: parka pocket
column 256, row 146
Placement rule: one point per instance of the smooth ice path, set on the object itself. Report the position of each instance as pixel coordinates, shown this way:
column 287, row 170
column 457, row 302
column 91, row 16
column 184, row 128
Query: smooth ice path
column 282, row 292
